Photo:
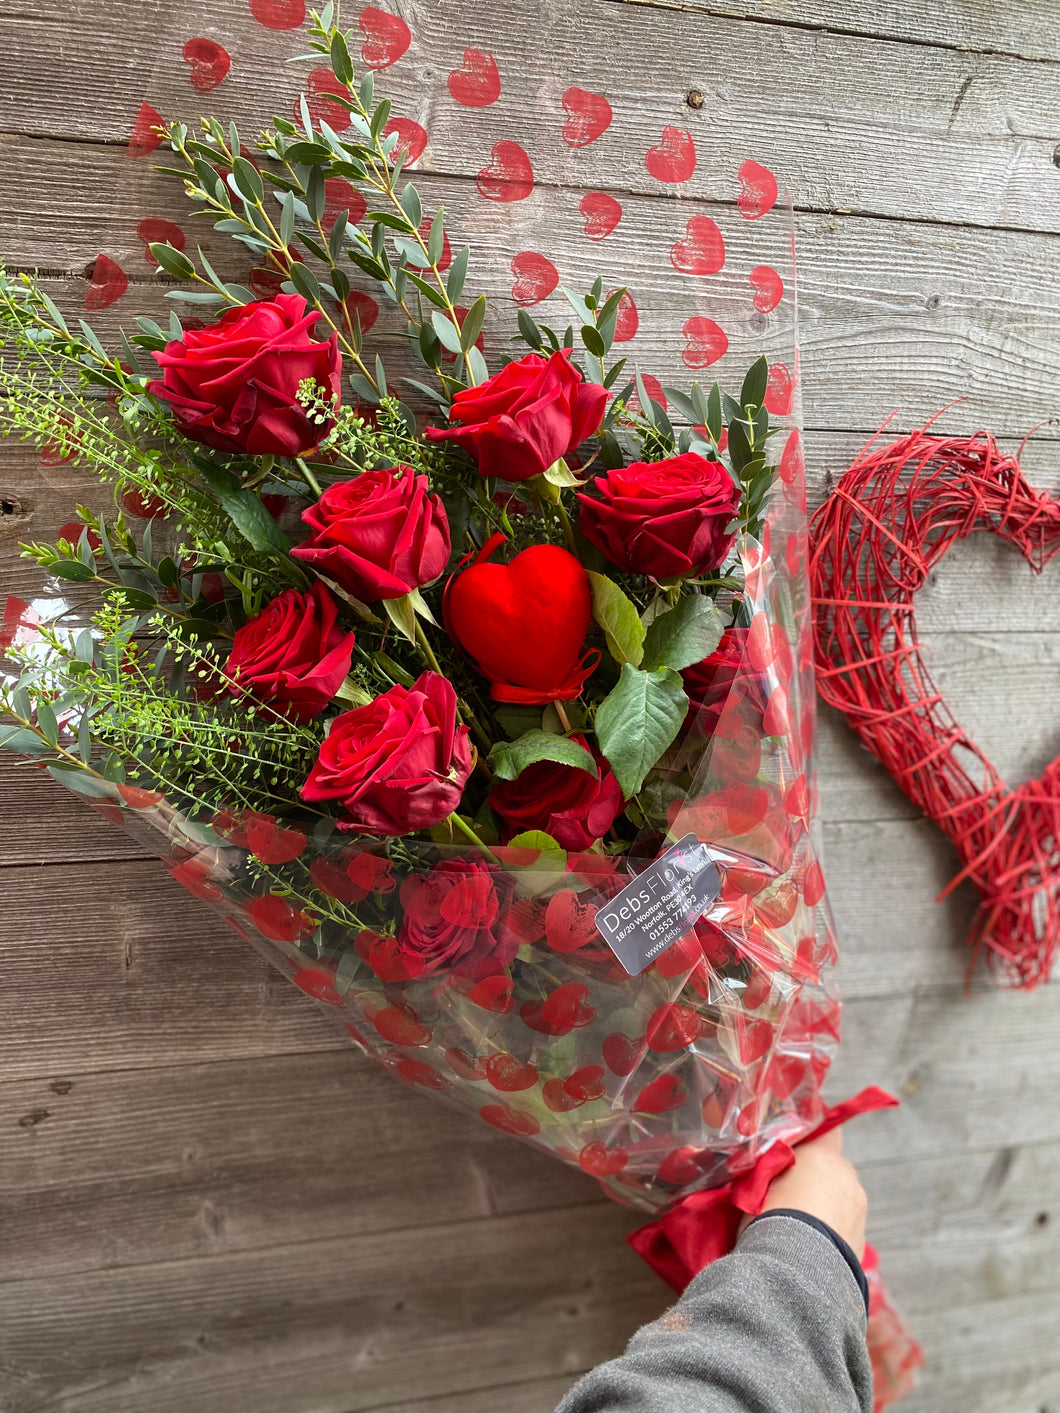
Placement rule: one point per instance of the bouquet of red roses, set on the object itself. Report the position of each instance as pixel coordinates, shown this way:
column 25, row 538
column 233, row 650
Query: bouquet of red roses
column 486, row 714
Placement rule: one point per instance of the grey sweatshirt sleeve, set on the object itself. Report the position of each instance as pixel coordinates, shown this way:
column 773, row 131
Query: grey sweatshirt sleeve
column 777, row 1327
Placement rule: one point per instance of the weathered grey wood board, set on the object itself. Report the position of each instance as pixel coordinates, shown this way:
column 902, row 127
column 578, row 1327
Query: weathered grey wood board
column 208, row 1203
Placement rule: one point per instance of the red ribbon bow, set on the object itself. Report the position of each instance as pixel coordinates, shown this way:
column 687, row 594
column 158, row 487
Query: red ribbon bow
column 704, row 1226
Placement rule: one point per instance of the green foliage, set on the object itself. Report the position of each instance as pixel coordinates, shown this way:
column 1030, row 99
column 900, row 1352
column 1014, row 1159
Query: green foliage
column 617, row 616
column 685, row 635
column 638, row 720
column 509, row 759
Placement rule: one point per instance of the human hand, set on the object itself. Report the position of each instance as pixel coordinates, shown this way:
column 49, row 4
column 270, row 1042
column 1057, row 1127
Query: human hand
column 823, row 1184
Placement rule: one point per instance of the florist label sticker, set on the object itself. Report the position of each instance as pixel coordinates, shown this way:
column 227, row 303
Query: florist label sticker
column 660, row 905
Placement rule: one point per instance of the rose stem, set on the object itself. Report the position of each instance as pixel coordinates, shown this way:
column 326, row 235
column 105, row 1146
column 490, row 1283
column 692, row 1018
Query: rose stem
column 463, row 711
column 566, row 527
column 564, row 719
column 307, row 475
column 466, row 830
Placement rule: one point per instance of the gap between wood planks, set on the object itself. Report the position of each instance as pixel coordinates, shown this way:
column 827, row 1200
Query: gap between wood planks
column 542, row 183
column 844, row 31
column 598, row 1201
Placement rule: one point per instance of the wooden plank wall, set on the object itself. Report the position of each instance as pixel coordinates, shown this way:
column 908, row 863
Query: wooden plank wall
column 206, row 1202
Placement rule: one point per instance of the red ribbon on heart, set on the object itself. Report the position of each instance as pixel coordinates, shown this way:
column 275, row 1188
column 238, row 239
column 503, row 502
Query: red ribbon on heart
column 703, row 1227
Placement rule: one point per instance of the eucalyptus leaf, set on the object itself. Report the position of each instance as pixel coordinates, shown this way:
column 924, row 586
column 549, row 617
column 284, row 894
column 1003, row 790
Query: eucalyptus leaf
column 753, row 392
column 173, row 261
column 25, row 742
column 80, row 781
column 448, row 334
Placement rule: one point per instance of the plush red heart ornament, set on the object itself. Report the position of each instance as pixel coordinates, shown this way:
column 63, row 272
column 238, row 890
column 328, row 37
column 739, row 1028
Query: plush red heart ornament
column 524, row 624
column 887, row 524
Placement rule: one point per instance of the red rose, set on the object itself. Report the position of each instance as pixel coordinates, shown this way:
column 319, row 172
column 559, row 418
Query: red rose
column 572, row 805
column 724, row 677
column 293, row 655
column 379, row 536
column 666, row 519
column 234, row 385
column 397, row 764
column 454, row 917
column 517, row 423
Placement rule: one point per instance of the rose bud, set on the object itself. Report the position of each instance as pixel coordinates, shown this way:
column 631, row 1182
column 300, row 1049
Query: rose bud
column 294, row 655
column 234, row 385
column 454, row 918
column 576, row 807
column 666, row 519
column 517, row 423
column 398, row 764
column 378, row 536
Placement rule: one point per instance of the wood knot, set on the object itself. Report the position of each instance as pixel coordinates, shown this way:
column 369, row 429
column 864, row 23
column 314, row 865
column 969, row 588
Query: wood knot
column 10, row 505
column 61, row 1086
column 33, row 1118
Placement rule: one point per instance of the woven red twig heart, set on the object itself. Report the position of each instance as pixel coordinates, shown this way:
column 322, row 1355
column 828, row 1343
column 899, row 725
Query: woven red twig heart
column 888, row 523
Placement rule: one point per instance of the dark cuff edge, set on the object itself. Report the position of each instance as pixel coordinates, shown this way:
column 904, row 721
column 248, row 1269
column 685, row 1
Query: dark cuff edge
column 843, row 1247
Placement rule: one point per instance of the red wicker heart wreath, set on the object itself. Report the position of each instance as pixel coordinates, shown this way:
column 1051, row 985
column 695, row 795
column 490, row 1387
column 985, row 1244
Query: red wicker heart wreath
column 888, row 523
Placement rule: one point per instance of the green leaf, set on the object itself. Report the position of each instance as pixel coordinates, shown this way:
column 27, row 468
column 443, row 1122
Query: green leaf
column 454, row 283
column 173, row 261
column 473, row 321
column 477, row 365
column 305, row 282
column 592, row 340
column 79, row 781
column 341, row 64
column 139, row 598
column 26, row 743
column 248, row 180
column 402, row 614
column 685, row 635
column 549, row 861
column 435, row 241
column 510, row 758
column 245, row 511
column 73, row 569
column 713, row 421
column 308, row 154
column 412, row 205
column 448, row 334
column 168, row 574
column 46, row 722
column 428, row 290
column 647, row 407
column 638, row 720
column 739, row 448
column 753, row 391
column 286, row 217
column 618, row 617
